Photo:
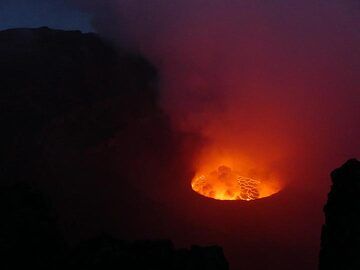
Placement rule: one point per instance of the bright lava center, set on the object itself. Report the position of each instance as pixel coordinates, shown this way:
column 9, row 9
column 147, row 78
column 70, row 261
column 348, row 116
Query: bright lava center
column 227, row 184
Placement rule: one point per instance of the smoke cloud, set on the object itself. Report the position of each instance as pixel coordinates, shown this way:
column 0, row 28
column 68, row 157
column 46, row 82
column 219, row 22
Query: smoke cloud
column 273, row 83
column 269, row 81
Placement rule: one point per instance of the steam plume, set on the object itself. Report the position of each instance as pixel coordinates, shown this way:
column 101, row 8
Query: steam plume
column 271, row 81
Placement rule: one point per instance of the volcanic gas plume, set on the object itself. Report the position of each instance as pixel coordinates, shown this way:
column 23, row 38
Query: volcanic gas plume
column 269, row 87
column 258, row 81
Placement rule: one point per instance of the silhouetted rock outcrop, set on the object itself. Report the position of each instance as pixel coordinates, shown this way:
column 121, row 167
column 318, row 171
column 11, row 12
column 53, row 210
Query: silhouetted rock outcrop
column 340, row 240
column 109, row 253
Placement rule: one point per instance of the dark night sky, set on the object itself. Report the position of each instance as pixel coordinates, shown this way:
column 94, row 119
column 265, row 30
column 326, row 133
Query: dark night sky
column 37, row 13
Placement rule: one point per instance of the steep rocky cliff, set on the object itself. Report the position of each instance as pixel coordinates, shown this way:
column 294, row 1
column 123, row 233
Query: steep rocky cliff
column 340, row 239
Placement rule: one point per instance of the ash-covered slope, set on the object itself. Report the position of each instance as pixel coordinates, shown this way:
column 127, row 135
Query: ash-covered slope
column 340, row 240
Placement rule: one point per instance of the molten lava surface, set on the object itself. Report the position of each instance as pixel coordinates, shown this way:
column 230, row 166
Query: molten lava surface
column 227, row 184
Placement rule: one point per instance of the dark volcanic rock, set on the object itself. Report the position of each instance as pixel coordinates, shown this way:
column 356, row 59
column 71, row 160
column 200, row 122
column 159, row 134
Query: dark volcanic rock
column 340, row 240
column 29, row 238
column 109, row 253
column 69, row 81
column 80, row 119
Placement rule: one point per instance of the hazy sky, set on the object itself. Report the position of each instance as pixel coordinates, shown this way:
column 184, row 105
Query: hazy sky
column 37, row 13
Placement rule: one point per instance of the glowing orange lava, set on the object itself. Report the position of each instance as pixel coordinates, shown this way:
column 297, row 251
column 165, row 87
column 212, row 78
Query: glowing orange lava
column 227, row 184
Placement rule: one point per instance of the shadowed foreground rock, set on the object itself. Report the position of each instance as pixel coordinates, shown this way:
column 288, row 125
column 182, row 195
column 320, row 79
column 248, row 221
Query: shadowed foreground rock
column 29, row 238
column 340, row 239
column 109, row 253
